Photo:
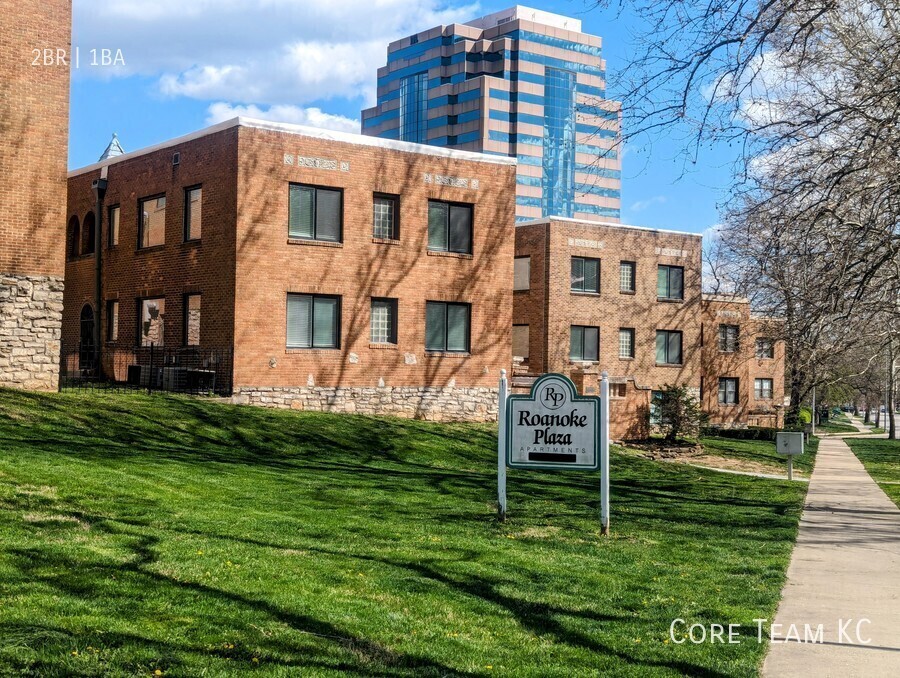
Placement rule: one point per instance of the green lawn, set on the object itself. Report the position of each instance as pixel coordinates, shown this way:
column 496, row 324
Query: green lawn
column 144, row 535
column 833, row 426
column 761, row 452
column 882, row 460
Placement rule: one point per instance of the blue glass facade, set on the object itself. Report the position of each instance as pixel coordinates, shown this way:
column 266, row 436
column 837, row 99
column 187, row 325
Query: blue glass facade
column 414, row 108
column 506, row 90
column 558, row 178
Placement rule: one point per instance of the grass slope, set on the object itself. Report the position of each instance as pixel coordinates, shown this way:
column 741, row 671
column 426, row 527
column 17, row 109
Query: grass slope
column 882, row 460
column 761, row 452
column 163, row 535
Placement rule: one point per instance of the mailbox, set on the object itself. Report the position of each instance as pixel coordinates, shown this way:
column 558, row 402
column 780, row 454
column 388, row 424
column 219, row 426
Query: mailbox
column 789, row 444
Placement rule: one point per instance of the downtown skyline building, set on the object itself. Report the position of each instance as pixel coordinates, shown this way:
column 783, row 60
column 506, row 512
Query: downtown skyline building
column 521, row 83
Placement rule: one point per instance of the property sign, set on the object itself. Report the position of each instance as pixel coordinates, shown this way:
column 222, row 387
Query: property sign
column 789, row 443
column 553, row 427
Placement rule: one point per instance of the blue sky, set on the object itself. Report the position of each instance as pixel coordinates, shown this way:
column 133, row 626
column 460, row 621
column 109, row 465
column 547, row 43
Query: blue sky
column 188, row 65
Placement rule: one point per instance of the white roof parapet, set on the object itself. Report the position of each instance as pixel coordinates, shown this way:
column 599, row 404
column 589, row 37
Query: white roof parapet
column 726, row 298
column 607, row 224
column 537, row 16
column 304, row 131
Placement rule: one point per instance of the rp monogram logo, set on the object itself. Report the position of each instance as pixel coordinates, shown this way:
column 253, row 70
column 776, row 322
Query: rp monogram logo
column 552, row 397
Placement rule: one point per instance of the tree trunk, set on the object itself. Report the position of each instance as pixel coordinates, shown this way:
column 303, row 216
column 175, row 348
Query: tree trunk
column 889, row 405
column 867, row 418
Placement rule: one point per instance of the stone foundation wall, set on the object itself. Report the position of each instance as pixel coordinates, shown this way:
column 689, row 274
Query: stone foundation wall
column 30, row 329
column 431, row 404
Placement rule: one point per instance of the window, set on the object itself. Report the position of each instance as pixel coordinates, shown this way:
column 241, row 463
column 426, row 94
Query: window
column 728, row 391
column 449, row 227
column 762, row 388
column 385, row 217
column 522, row 273
column 584, row 343
column 585, row 275
column 193, row 213
column 520, row 341
column 152, row 318
column 112, row 320
column 670, row 282
column 559, row 144
column 86, row 345
column 74, row 235
column 668, row 347
column 627, row 276
column 315, row 213
column 384, row 321
column 617, row 390
column 728, row 338
column 152, row 222
column 414, row 108
column 113, row 228
column 192, row 304
column 313, row 321
column 447, row 327
column 88, row 234
column 626, row 342
column 765, row 348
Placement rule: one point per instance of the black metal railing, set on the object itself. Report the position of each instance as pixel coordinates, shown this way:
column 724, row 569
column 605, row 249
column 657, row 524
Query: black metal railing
column 193, row 370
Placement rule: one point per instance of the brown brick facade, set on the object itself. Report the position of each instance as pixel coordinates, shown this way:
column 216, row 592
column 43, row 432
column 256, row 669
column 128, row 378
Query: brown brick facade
column 245, row 264
column 550, row 308
column 34, row 119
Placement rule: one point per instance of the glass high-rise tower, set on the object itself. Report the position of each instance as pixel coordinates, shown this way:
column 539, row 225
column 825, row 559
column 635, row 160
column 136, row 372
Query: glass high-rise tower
column 522, row 83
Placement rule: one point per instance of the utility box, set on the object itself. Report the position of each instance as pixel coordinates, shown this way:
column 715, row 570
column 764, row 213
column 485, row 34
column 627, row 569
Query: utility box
column 789, row 444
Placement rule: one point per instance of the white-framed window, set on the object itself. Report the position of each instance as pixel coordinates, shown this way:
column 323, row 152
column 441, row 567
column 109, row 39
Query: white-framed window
column 728, row 338
column 762, row 389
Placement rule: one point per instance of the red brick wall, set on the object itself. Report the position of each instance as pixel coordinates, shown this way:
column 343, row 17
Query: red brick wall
column 742, row 364
column 34, row 124
column 268, row 266
column 175, row 268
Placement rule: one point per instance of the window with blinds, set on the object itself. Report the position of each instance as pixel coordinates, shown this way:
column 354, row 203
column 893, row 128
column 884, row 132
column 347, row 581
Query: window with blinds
column 385, row 217
column 728, row 338
column 584, row 343
column 449, row 227
column 585, row 275
column 668, row 347
column 670, row 282
column 728, row 391
column 313, row 321
column 384, row 321
column 315, row 213
column 447, row 327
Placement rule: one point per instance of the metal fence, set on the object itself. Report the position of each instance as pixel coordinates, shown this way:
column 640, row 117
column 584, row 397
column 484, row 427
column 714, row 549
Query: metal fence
column 197, row 371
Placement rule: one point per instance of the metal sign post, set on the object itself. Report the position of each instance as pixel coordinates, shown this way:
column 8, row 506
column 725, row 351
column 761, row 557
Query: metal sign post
column 789, row 444
column 554, row 428
column 604, row 453
column 501, row 447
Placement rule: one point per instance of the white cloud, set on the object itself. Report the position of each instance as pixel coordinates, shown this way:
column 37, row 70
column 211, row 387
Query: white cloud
column 256, row 51
column 641, row 205
column 314, row 117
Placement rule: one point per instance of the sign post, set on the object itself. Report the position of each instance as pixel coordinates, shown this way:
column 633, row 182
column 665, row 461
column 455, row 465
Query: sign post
column 554, row 428
column 501, row 448
column 604, row 453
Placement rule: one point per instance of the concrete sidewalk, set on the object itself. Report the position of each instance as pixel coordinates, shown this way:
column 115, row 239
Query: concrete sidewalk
column 845, row 566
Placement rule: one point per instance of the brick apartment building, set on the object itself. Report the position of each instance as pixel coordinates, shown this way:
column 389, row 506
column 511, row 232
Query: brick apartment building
column 743, row 366
column 628, row 300
column 34, row 123
column 344, row 272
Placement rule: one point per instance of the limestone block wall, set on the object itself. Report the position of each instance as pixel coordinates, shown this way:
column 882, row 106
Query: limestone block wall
column 431, row 404
column 30, row 327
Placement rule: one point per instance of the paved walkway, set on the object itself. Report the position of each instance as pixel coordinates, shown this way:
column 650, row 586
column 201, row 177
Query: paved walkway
column 845, row 566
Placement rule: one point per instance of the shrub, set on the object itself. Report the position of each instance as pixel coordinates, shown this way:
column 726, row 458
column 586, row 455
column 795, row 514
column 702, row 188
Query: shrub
column 751, row 433
column 679, row 412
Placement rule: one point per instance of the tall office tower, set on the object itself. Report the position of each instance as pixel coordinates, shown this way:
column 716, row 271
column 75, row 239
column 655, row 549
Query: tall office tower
column 522, row 83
